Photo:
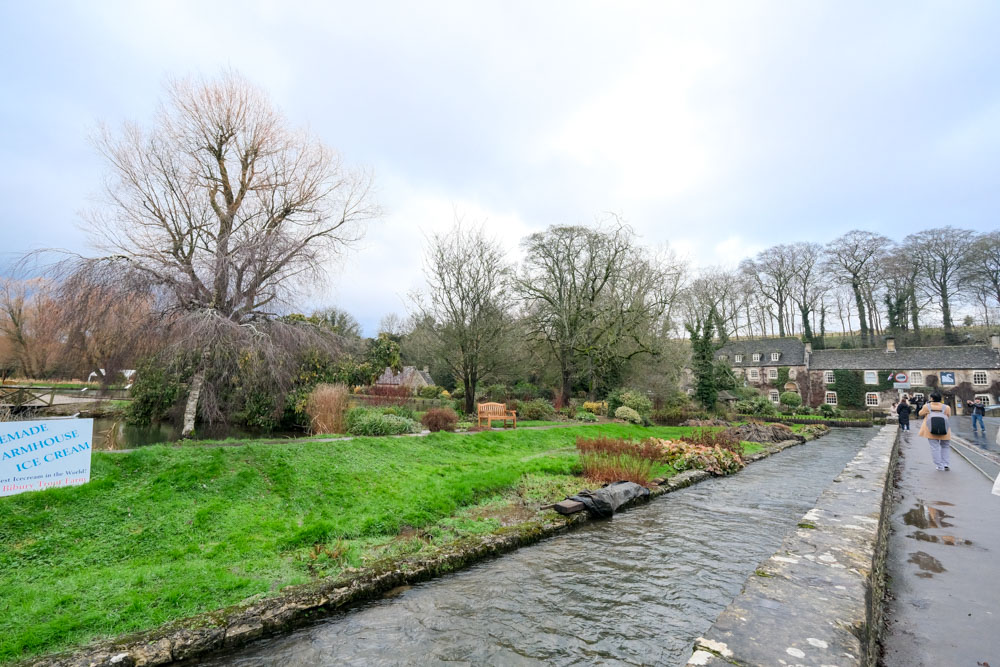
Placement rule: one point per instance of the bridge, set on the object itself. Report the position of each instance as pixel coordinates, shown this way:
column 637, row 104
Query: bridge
column 18, row 396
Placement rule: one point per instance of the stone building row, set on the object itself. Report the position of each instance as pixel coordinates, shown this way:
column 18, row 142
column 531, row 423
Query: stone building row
column 866, row 378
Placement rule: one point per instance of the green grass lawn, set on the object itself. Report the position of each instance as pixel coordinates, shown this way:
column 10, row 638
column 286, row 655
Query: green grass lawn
column 165, row 532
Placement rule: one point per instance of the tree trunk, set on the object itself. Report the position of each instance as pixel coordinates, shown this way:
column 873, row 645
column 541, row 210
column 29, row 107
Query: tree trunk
column 914, row 313
column 860, row 302
column 470, row 396
column 806, row 329
column 191, row 408
column 949, row 333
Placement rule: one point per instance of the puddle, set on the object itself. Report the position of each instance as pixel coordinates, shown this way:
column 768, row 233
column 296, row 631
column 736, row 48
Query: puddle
column 950, row 540
column 925, row 516
column 926, row 562
column 942, row 502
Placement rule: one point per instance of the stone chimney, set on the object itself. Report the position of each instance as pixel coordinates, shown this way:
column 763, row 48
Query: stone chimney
column 890, row 344
column 995, row 341
column 809, row 348
column 427, row 369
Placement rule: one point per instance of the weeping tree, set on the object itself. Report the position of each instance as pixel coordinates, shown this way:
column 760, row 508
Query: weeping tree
column 218, row 211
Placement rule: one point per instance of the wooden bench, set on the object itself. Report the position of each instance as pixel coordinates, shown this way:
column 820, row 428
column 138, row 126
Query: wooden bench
column 491, row 412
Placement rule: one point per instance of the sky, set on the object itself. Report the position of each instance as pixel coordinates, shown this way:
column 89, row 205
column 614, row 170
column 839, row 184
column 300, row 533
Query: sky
column 715, row 128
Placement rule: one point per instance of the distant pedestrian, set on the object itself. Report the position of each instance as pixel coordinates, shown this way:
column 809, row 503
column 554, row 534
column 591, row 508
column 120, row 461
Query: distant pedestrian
column 918, row 402
column 978, row 412
column 904, row 410
column 937, row 430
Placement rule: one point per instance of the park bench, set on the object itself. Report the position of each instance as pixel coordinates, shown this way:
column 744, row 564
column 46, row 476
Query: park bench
column 491, row 412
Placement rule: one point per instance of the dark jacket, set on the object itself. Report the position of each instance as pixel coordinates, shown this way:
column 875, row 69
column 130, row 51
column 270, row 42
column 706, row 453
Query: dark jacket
column 904, row 411
column 978, row 410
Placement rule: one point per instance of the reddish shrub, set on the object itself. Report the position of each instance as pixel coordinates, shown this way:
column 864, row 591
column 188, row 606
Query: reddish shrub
column 614, row 459
column 382, row 395
column 440, row 419
column 716, row 438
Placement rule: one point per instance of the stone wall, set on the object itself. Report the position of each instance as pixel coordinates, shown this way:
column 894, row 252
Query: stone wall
column 818, row 600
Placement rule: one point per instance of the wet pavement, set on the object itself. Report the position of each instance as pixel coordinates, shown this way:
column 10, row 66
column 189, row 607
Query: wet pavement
column 963, row 428
column 944, row 553
column 638, row 589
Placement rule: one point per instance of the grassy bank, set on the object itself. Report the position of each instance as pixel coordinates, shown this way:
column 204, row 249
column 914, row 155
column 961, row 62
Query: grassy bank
column 162, row 532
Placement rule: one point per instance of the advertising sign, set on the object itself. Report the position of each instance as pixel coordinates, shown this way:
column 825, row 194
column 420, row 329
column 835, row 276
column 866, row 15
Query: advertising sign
column 948, row 378
column 43, row 454
column 900, row 380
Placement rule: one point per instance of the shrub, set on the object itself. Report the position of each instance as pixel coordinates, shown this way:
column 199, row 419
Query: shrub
column 389, row 395
column 712, row 438
column 458, row 393
column 400, row 411
column 440, row 419
column 803, row 410
column 430, row 391
column 538, row 409
column 626, row 413
column 524, row 391
column 630, row 398
column 683, row 455
column 444, row 395
column 496, row 393
column 596, row 407
column 367, row 421
column 613, row 459
column 758, row 405
column 791, row 399
column 828, row 410
column 327, row 407
column 584, row 416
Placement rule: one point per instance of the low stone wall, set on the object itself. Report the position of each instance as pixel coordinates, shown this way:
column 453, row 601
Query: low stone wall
column 188, row 639
column 818, row 600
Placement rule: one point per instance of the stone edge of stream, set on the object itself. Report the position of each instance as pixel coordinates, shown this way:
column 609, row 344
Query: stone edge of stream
column 226, row 629
column 819, row 599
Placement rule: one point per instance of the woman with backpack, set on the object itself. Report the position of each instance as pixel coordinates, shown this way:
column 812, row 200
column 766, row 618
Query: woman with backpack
column 937, row 430
column 904, row 410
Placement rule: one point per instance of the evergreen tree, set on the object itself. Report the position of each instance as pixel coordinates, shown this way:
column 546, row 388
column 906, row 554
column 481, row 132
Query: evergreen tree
column 703, row 359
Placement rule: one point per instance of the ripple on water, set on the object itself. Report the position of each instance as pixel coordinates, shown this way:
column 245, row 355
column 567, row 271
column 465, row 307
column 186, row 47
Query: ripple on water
column 634, row 590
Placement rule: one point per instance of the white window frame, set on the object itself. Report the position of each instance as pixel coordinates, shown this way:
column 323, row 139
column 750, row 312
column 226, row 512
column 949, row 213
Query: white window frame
column 985, row 398
column 828, row 396
column 917, row 378
column 775, row 356
column 986, row 379
column 875, row 373
column 870, row 396
column 772, row 373
column 775, row 396
column 756, row 356
column 739, row 358
column 753, row 374
column 829, row 377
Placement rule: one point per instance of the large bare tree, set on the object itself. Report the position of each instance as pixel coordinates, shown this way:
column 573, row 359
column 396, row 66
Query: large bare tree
column 222, row 208
column 854, row 260
column 940, row 255
column 468, row 304
column 982, row 272
column 774, row 271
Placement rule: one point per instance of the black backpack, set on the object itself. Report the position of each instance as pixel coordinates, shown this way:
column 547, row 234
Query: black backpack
column 939, row 422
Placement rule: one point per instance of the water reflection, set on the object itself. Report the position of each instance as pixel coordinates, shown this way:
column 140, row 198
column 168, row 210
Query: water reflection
column 115, row 434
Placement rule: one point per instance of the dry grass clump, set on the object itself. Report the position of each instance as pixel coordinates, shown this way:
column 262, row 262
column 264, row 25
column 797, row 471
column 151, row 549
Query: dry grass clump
column 327, row 407
column 607, row 460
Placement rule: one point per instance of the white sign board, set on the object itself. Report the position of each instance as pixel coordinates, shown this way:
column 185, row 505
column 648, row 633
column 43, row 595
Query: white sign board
column 43, row 454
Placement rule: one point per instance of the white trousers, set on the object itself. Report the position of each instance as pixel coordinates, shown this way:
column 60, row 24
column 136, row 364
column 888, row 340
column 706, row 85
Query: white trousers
column 940, row 452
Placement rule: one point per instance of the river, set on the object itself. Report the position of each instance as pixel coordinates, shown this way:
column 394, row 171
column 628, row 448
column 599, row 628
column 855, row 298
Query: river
column 638, row 589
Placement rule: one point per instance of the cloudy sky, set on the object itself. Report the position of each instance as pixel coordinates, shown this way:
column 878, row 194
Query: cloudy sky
column 719, row 128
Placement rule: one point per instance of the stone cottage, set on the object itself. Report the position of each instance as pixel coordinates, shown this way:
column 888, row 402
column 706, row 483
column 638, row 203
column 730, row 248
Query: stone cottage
column 410, row 377
column 867, row 378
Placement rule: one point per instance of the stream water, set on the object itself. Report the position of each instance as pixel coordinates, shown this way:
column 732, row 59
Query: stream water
column 638, row 589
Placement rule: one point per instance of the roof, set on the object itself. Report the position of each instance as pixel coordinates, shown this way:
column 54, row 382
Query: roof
column 408, row 376
column 970, row 357
column 791, row 349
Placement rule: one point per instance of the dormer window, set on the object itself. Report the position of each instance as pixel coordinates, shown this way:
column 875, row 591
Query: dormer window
column 775, row 356
column 723, row 357
column 739, row 358
column 756, row 356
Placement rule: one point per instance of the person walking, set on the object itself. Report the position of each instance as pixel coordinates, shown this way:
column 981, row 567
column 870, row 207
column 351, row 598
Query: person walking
column 937, row 430
column 978, row 411
column 918, row 402
column 904, row 410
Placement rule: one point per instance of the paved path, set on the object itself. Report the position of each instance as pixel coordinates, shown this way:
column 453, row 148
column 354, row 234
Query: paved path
column 944, row 564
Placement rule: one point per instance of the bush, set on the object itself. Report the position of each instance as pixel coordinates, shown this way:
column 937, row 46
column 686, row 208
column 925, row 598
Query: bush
column 440, row 419
column 630, row 398
column 829, row 410
column 389, row 395
column 803, row 410
column 525, row 391
column 758, row 405
column 538, row 409
column 367, row 421
column 458, row 393
column 400, row 411
column 612, row 459
column 444, row 395
column 626, row 413
column 496, row 393
column 584, row 416
column 791, row 399
column 596, row 407
column 327, row 407
column 430, row 391
column 683, row 455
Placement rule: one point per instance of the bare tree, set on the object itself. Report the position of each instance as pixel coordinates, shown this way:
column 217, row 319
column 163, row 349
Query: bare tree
column 222, row 210
column 940, row 255
column 30, row 325
column 468, row 278
column 853, row 259
column 807, row 286
column 774, row 270
column 982, row 271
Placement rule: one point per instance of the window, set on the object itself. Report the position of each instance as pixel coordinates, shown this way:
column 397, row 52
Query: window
column 917, row 378
column 980, row 378
column 772, row 373
column 872, row 400
column 753, row 374
column 739, row 358
column 871, row 377
column 723, row 357
column 829, row 377
column 775, row 396
column 985, row 398
column 775, row 356
column 831, row 398
column 756, row 356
